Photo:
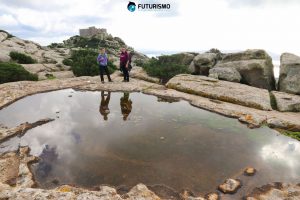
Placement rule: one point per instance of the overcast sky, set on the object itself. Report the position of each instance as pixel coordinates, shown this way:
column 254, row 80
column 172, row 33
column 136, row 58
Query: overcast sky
column 190, row 25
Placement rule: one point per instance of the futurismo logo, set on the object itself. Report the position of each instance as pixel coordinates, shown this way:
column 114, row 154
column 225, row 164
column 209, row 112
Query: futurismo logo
column 148, row 6
column 131, row 6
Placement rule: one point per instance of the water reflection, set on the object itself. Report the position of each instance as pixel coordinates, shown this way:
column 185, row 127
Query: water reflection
column 104, row 109
column 47, row 158
column 126, row 105
column 198, row 151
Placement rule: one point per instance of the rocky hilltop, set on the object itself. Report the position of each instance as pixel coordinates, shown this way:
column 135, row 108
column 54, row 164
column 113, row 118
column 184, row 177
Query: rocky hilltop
column 49, row 61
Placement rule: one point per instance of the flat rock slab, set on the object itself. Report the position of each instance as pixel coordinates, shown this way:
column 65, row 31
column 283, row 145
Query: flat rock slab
column 222, row 90
column 6, row 133
column 66, row 192
column 140, row 73
column 287, row 102
column 276, row 191
column 15, row 170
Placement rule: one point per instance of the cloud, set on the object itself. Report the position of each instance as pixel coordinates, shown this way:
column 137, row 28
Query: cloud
column 36, row 4
column 191, row 25
column 259, row 3
column 8, row 20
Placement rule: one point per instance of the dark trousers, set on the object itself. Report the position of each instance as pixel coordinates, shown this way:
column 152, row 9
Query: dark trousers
column 125, row 72
column 102, row 70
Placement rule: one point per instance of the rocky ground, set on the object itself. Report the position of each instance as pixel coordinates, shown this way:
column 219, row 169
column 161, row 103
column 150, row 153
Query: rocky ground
column 252, row 107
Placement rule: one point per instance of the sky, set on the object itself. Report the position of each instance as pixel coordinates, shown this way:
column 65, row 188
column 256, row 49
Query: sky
column 190, row 25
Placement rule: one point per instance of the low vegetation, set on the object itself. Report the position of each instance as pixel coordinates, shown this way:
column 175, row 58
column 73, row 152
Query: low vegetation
column 21, row 58
column 295, row 135
column 56, row 45
column 83, row 63
column 10, row 72
column 8, row 34
column 164, row 67
column 67, row 62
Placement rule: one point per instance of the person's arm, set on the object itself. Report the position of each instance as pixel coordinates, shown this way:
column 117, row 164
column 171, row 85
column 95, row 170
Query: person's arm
column 127, row 58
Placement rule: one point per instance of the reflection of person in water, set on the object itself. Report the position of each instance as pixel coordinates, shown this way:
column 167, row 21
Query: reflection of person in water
column 126, row 106
column 104, row 110
column 48, row 156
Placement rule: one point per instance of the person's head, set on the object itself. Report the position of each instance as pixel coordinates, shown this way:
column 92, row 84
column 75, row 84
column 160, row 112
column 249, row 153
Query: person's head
column 105, row 117
column 123, row 49
column 102, row 50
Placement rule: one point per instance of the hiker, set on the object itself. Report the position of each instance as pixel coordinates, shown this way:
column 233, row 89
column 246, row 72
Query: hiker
column 104, row 110
column 124, row 62
column 126, row 105
column 102, row 61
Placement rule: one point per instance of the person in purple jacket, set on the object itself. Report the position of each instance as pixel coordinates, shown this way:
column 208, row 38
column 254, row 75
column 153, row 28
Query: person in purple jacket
column 124, row 62
column 102, row 61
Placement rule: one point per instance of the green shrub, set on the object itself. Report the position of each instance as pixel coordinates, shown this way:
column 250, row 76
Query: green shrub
column 56, row 45
column 164, row 70
column 10, row 72
column 67, row 62
column 21, row 58
column 84, row 63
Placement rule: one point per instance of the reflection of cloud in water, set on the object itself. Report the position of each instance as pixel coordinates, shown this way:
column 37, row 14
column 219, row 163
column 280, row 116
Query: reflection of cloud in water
column 283, row 152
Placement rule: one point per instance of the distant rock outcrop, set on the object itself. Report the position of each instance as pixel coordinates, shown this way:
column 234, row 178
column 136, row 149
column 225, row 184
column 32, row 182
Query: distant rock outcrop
column 9, row 43
column 289, row 79
column 50, row 59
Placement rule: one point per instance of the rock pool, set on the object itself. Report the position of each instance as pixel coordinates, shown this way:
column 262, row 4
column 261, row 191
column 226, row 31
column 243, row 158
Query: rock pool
column 122, row 139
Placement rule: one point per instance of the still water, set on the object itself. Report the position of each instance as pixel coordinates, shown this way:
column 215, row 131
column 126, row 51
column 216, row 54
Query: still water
column 124, row 139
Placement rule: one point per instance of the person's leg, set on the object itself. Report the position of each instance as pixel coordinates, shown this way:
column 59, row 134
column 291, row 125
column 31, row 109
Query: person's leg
column 126, row 74
column 101, row 73
column 107, row 73
column 123, row 70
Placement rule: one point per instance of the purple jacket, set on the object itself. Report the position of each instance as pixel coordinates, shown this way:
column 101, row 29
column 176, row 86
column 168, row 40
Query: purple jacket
column 102, row 59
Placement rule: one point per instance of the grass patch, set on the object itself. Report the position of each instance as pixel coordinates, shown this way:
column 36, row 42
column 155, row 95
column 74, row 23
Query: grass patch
column 50, row 76
column 21, row 58
column 11, row 72
column 84, row 63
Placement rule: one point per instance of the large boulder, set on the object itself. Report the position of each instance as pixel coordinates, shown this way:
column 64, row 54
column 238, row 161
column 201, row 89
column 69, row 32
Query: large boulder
column 255, row 67
column 222, row 90
column 286, row 102
column 225, row 73
column 202, row 63
column 289, row 79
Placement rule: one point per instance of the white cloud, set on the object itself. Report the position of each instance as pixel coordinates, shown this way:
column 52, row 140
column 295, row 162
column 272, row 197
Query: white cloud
column 194, row 25
column 8, row 20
